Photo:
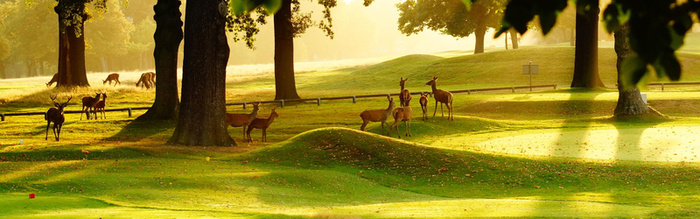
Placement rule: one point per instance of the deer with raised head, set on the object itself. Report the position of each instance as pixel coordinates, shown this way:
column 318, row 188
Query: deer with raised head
column 443, row 97
column 145, row 80
column 402, row 114
column 263, row 124
column 379, row 115
column 112, row 77
column 405, row 95
column 89, row 105
column 100, row 106
column 424, row 104
column 242, row 119
column 54, row 79
column 55, row 115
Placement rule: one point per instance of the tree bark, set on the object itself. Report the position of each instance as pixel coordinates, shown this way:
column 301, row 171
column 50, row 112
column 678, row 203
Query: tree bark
column 629, row 102
column 514, row 38
column 572, row 40
column 71, row 45
column 285, row 84
column 586, row 60
column 202, row 111
column 167, row 37
column 479, row 33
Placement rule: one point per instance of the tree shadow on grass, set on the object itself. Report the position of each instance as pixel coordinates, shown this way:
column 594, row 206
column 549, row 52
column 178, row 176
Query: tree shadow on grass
column 139, row 130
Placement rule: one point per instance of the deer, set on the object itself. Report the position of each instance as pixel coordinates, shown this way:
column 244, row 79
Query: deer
column 263, row 124
column 55, row 115
column 402, row 114
column 89, row 104
column 379, row 115
column 424, row 105
column 100, row 106
column 145, row 80
column 54, row 79
column 405, row 95
column 443, row 97
column 242, row 119
column 152, row 78
column 112, row 77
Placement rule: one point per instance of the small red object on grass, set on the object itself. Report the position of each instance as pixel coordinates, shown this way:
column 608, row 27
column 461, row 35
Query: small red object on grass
column 31, row 195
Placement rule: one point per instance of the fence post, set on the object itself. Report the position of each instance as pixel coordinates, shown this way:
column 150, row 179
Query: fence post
column 469, row 91
column 318, row 101
column 244, row 105
column 662, row 86
column 555, row 87
column 354, row 99
column 2, row 117
column 129, row 111
column 388, row 95
column 513, row 89
column 282, row 103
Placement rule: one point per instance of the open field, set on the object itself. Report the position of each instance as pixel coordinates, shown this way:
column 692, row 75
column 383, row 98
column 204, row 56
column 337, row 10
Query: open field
column 549, row 153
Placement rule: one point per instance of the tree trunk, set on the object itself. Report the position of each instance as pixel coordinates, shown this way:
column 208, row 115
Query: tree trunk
column 506, row 39
column 514, row 38
column 586, row 60
column 285, row 84
column 2, row 70
column 479, row 34
column 167, row 37
column 71, row 45
column 202, row 111
column 629, row 101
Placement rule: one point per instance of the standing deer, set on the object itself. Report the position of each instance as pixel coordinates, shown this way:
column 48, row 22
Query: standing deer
column 112, row 77
column 263, row 124
column 424, row 105
column 54, row 79
column 242, row 119
column 89, row 105
column 405, row 95
column 55, row 115
column 145, row 80
column 402, row 114
column 444, row 97
column 379, row 115
column 100, row 106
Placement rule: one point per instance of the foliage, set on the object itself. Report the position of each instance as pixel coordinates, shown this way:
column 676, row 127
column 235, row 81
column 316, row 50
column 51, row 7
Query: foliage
column 668, row 20
column 109, row 33
column 448, row 16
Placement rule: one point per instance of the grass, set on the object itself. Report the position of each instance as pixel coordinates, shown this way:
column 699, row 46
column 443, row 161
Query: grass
column 540, row 154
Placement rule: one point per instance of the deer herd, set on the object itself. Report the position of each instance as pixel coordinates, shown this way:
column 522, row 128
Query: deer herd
column 249, row 121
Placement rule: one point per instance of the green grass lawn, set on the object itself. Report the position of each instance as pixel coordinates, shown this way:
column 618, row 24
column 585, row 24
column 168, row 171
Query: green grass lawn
column 549, row 153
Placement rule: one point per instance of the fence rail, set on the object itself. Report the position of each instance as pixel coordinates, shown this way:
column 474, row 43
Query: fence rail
column 318, row 100
column 663, row 85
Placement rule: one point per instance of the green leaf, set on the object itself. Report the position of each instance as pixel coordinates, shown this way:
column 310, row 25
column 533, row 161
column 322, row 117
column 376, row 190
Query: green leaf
column 272, row 6
column 611, row 17
column 468, row 4
column 240, row 7
column 671, row 66
column 633, row 70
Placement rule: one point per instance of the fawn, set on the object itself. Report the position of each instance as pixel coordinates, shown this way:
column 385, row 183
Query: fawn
column 405, row 95
column 424, row 105
column 242, row 119
column 379, row 115
column 55, row 115
column 89, row 105
column 263, row 124
column 54, row 79
column 443, row 97
column 402, row 114
column 100, row 106
column 112, row 77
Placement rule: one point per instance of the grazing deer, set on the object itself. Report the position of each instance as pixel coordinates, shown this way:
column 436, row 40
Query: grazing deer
column 263, row 124
column 405, row 95
column 379, row 115
column 402, row 114
column 54, row 79
column 444, row 97
column 242, row 119
column 100, row 106
column 424, row 104
column 112, row 77
column 145, row 80
column 55, row 115
column 89, row 104
column 152, row 78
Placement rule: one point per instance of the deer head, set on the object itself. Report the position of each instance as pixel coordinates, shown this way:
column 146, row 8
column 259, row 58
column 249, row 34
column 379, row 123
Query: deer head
column 402, row 83
column 432, row 82
column 58, row 105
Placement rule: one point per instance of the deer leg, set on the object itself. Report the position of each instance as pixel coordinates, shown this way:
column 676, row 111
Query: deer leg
column 383, row 126
column 364, row 124
column 47, row 130
column 435, row 111
column 54, row 131
column 264, row 136
column 81, row 113
column 248, row 134
column 58, row 135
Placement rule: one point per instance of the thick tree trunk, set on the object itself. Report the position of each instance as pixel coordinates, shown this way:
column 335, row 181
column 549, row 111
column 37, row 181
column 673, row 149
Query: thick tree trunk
column 586, row 60
column 71, row 45
column 506, row 39
column 629, row 102
column 479, row 33
column 514, row 38
column 167, row 37
column 202, row 111
column 285, row 84
column 572, row 41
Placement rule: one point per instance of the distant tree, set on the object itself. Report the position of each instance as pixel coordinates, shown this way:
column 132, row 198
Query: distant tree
column 141, row 43
column 451, row 17
column 109, row 35
column 203, row 105
column 5, row 47
column 289, row 22
column 168, row 36
column 28, row 47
